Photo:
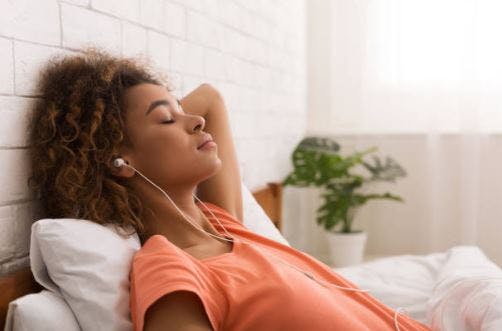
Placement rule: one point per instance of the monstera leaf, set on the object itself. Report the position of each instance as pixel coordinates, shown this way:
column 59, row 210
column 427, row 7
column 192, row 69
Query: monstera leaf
column 316, row 161
column 323, row 145
column 388, row 171
column 313, row 159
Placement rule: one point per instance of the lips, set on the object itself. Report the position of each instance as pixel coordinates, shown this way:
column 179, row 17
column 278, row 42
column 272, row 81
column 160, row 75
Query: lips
column 207, row 138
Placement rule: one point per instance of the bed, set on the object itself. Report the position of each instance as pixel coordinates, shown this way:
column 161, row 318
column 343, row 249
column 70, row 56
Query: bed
column 459, row 289
column 30, row 297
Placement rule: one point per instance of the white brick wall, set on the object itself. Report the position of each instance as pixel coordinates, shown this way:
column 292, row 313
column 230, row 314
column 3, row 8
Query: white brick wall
column 6, row 67
column 159, row 50
column 14, row 115
column 252, row 51
column 165, row 17
column 83, row 27
column 125, row 9
column 28, row 58
column 134, row 39
column 37, row 21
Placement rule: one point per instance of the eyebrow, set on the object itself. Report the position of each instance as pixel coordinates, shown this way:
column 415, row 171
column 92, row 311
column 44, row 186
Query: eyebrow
column 159, row 103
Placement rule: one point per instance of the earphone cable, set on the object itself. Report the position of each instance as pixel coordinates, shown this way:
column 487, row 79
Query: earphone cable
column 121, row 162
column 167, row 196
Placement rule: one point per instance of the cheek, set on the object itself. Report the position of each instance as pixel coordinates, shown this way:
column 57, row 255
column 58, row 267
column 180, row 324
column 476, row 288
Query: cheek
column 156, row 148
column 155, row 156
column 167, row 149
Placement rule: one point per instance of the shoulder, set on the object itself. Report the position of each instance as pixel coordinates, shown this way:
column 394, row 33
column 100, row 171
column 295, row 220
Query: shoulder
column 213, row 207
column 153, row 244
column 157, row 252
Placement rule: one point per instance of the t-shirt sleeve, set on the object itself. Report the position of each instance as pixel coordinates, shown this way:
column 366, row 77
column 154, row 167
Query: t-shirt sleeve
column 157, row 272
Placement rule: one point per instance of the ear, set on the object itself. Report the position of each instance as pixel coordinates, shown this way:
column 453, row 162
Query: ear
column 124, row 171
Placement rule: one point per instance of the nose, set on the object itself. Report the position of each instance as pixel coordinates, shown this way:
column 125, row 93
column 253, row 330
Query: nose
column 198, row 123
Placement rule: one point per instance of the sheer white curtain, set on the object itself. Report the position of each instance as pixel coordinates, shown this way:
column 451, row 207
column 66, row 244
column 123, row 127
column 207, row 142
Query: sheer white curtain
column 422, row 80
column 404, row 66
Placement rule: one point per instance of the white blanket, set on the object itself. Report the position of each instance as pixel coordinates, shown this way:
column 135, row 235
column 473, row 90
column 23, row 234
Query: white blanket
column 456, row 290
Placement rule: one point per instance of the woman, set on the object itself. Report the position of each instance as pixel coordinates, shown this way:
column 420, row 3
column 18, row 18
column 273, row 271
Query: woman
column 111, row 144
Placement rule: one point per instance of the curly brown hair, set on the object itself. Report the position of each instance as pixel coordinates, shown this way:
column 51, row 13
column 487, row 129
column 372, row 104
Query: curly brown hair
column 75, row 132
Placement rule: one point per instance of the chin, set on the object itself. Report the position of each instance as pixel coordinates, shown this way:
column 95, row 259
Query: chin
column 217, row 167
column 212, row 170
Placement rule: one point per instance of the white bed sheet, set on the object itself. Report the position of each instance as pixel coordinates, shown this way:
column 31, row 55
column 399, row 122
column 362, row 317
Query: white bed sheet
column 456, row 290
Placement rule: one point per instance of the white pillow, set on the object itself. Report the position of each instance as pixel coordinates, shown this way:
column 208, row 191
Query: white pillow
column 42, row 311
column 256, row 220
column 88, row 264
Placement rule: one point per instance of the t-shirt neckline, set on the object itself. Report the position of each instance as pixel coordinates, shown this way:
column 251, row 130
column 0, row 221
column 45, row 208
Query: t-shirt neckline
column 235, row 241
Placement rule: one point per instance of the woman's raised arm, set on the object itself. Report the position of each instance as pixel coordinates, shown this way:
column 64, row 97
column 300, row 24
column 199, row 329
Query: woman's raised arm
column 224, row 188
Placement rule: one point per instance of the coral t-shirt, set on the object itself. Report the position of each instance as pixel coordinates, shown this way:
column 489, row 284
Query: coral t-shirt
column 250, row 289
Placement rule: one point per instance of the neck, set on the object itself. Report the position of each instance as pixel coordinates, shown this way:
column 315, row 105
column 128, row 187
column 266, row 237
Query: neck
column 160, row 216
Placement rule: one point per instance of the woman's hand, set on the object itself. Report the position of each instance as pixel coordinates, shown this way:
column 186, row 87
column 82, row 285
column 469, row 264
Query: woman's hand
column 200, row 100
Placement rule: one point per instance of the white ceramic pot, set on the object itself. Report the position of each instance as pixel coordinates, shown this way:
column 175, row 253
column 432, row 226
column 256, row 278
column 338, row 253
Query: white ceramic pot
column 347, row 248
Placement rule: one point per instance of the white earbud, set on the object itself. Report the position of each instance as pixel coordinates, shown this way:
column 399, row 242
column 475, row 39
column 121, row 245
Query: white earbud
column 118, row 162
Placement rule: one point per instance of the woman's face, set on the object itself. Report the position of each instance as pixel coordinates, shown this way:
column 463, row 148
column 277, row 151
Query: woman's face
column 165, row 138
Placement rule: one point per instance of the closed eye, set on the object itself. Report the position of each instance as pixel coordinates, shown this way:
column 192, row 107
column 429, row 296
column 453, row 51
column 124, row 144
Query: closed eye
column 167, row 122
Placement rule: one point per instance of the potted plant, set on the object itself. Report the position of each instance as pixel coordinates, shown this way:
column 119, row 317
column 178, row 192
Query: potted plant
column 317, row 162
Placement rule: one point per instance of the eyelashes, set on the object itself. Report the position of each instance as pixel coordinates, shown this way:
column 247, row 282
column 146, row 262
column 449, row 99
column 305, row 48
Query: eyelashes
column 167, row 122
